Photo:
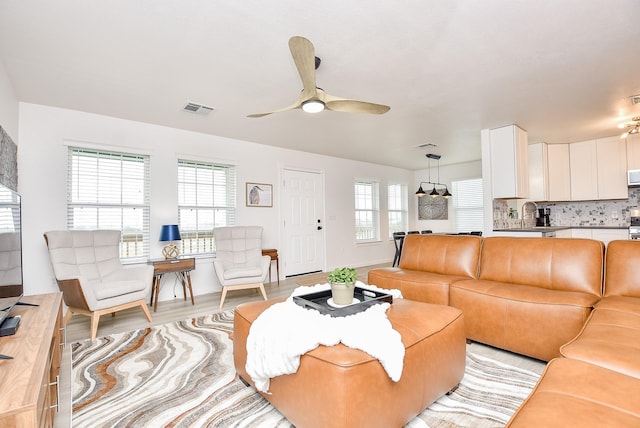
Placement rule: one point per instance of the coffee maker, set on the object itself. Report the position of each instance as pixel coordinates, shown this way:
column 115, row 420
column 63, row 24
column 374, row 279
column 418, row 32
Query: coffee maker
column 543, row 218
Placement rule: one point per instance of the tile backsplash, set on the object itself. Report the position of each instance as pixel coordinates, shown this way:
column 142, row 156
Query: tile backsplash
column 612, row 213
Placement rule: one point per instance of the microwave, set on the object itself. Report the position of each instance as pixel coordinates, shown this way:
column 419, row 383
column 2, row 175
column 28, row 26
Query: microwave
column 633, row 177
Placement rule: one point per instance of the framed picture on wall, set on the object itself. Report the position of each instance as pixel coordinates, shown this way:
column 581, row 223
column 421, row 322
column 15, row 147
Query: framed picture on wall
column 433, row 208
column 259, row 195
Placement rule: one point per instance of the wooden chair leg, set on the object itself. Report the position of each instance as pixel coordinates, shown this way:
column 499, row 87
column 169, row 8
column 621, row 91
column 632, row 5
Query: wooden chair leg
column 67, row 317
column 264, row 293
column 224, row 295
column 95, row 318
column 145, row 309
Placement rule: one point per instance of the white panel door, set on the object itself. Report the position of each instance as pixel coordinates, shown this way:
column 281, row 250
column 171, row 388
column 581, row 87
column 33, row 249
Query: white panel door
column 303, row 222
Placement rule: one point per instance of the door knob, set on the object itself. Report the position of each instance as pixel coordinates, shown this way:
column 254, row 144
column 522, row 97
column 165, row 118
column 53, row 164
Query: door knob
column 319, row 227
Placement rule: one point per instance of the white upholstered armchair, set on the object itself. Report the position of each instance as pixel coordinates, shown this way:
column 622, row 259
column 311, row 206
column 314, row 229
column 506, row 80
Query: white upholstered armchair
column 87, row 267
column 239, row 262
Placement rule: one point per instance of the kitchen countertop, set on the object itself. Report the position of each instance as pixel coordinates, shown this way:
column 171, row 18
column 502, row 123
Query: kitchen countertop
column 555, row 228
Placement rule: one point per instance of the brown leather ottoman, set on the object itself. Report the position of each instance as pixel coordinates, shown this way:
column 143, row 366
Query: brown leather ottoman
column 338, row 386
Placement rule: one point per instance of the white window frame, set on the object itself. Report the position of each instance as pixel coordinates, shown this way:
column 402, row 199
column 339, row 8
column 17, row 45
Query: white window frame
column 367, row 212
column 110, row 190
column 206, row 200
column 397, row 206
column 468, row 205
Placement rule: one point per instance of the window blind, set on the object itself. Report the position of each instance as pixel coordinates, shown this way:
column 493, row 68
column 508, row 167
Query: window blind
column 468, row 205
column 206, row 200
column 109, row 190
column 397, row 209
column 366, row 211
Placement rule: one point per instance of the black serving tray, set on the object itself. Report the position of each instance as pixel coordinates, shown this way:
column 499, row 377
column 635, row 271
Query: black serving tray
column 318, row 301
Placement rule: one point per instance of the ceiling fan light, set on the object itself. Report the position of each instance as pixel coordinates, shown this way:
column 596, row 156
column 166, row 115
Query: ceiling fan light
column 313, row 106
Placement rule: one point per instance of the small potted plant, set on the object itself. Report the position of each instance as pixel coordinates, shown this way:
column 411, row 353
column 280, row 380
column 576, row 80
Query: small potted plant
column 342, row 282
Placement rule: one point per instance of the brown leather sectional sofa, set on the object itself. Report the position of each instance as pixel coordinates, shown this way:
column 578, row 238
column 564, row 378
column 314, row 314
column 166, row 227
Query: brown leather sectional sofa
column 536, row 297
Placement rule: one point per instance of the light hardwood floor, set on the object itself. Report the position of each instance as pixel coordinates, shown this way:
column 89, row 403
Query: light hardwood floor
column 78, row 327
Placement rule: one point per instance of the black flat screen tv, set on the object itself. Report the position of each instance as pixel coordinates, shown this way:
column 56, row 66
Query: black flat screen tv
column 11, row 286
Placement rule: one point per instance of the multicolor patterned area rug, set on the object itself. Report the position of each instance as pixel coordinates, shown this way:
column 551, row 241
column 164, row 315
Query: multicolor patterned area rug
column 181, row 374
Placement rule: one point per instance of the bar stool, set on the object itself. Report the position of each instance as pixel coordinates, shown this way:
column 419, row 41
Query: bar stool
column 398, row 240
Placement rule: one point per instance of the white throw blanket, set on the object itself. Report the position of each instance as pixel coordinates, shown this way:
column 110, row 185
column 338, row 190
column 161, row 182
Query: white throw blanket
column 285, row 331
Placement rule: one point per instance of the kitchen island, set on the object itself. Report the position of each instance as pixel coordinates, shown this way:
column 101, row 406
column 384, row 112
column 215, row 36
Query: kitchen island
column 600, row 233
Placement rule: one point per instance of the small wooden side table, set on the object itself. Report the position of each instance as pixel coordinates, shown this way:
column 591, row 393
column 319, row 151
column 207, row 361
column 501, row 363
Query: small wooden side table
column 273, row 253
column 182, row 267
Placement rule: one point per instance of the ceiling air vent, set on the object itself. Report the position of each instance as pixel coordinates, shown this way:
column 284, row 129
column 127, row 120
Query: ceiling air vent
column 635, row 99
column 197, row 108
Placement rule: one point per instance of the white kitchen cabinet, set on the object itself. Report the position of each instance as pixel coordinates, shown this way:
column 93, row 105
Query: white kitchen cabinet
column 509, row 164
column 633, row 151
column 608, row 235
column 604, row 235
column 538, row 172
column 559, row 172
column 584, row 165
column 564, row 233
column 598, row 169
column 581, row 233
column 611, row 155
column 549, row 172
column 517, row 234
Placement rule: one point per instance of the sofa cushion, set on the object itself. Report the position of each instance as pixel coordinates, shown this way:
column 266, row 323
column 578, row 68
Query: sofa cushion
column 429, row 264
column 444, row 254
column 622, row 273
column 416, row 285
column 573, row 393
column 528, row 320
column 609, row 339
column 566, row 264
column 620, row 303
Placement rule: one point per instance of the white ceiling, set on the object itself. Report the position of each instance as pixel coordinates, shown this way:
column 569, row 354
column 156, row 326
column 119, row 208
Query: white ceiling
column 562, row 69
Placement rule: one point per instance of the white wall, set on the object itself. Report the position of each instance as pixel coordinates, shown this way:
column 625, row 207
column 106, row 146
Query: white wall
column 8, row 106
column 42, row 166
column 448, row 173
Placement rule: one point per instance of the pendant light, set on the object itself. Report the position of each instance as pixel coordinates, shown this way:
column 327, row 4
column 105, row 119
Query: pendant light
column 434, row 192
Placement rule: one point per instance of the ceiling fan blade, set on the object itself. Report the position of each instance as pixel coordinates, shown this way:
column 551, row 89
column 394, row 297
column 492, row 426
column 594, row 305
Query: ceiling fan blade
column 293, row 106
column 351, row 106
column 305, row 58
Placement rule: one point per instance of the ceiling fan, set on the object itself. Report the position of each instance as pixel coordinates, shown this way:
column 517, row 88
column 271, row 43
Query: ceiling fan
column 314, row 99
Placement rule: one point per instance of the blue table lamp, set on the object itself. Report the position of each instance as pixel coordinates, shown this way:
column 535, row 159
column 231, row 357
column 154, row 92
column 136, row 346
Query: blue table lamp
column 170, row 232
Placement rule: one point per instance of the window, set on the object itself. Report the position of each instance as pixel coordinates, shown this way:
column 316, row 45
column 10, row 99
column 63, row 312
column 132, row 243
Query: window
column 108, row 190
column 468, row 206
column 397, row 208
column 206, row 200
column 367, row 214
